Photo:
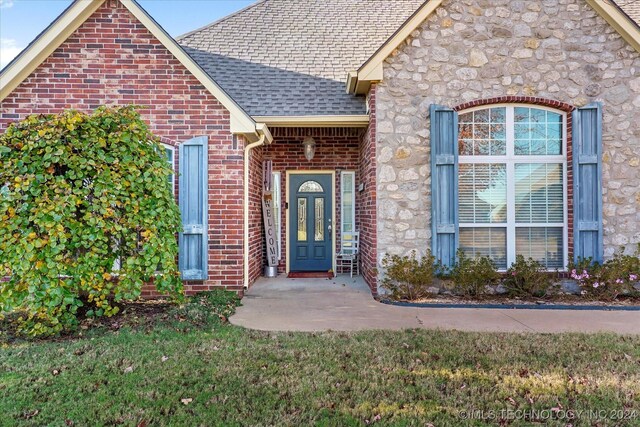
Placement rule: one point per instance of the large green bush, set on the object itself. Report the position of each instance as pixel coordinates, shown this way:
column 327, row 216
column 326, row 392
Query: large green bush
column 87, row 216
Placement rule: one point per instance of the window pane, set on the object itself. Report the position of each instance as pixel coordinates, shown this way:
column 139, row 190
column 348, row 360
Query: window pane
column 539, row 193
column 482, row 194
column 170, row 178
column 543, row 244
column 347, row 181
column 347, row 225
column 482, row 132
column 486, row 241
column 348, row 201
column 302, row 219
column 319, row 223
column 310, row 187
column 537, row 132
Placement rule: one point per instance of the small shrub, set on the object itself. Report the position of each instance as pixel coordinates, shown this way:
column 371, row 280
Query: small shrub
column 408, row 277
column 527, row 277
column 471, row 276
column 609, row 280
column 79, row 195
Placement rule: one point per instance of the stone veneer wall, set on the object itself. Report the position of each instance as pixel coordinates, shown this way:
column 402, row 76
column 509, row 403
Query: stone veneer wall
column 559, row 50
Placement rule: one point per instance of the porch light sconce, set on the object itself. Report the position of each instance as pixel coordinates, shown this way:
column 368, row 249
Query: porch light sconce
column 309, row 148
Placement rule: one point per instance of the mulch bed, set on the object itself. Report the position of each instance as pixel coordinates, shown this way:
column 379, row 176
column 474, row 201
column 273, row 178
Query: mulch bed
column 498, row 301
column 142, row 314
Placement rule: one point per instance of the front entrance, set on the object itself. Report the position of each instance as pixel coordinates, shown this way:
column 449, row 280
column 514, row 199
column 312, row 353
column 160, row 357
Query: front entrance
column 310, row 222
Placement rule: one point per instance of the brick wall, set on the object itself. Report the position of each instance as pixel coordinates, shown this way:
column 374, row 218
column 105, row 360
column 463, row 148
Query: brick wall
column 337, row 149
column 256, row 228
column 366, row 200
column 113, row 59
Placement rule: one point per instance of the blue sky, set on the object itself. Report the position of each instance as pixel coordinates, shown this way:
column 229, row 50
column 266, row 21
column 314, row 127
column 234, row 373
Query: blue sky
column 22, row 20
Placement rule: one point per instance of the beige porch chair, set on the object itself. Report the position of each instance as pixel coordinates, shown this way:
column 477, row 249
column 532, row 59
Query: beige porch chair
column 349, row 252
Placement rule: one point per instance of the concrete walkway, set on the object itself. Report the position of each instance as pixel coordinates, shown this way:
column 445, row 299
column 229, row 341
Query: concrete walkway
column 345, row 304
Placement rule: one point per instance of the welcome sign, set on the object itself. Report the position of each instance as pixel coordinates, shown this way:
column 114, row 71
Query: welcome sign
column 267, row 216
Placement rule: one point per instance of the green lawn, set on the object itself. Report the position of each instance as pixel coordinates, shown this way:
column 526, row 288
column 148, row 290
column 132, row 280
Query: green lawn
column 183, row 372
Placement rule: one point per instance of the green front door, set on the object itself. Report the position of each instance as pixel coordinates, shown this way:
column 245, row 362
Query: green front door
column 310, row 233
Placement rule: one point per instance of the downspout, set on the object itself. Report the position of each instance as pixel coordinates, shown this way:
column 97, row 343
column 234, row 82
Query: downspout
column 247, row 156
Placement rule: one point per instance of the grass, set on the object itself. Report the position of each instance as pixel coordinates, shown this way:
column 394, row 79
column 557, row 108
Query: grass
column 186, row 366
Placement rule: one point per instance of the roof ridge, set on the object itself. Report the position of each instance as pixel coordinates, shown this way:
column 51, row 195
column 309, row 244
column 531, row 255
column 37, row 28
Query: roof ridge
column 218, row 21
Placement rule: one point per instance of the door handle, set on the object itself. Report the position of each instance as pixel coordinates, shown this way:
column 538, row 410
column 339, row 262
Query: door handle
column 330, row 227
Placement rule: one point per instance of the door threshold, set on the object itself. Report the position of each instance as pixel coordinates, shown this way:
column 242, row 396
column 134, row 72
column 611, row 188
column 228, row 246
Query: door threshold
column 310, row 275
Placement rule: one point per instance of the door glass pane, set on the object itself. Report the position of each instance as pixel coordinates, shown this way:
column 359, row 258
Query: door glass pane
column 302, row 219
column 310, row 187
column 319, row 222
column 537, row 132
column 485, row 241
column 483, row 193
column 544, row 244
column 539, row 194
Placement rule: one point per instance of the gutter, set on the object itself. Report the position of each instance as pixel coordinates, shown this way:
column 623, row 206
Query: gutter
column 352, row 120
column 265, row 138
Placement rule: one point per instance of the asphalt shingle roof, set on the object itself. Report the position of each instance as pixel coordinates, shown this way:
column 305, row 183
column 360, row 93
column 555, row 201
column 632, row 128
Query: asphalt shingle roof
column 631, row 8
column 291, row 57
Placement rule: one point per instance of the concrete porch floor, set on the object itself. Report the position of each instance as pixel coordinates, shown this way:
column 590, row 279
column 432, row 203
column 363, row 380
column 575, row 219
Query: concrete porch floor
column 345, row 304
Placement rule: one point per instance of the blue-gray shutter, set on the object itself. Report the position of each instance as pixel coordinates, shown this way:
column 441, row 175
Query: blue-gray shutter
column 587, row 182
column 194, row 208
column 444, row 184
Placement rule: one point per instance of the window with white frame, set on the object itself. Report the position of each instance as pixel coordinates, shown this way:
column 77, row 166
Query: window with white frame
column 275, row 183
column 512, row 184
column 170, row 153
column 347, row 200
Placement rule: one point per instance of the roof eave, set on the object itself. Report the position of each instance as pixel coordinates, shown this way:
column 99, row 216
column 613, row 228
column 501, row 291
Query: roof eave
column 74, row 16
